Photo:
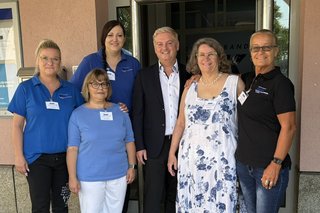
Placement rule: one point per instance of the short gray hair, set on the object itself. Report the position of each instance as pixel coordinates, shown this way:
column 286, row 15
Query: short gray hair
column 268, row 32
column 166, row 29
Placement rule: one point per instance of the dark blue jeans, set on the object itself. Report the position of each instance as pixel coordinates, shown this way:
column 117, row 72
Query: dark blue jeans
column 47, row 179
column 257, row 198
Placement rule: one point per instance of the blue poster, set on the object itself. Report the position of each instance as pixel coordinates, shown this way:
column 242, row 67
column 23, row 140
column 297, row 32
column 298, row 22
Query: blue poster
column 4, row 96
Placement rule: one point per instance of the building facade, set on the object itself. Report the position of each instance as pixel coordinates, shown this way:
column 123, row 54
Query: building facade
column 76, row 26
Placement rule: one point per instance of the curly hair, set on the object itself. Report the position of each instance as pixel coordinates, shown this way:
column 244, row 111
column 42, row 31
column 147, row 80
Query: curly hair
column 224, row 64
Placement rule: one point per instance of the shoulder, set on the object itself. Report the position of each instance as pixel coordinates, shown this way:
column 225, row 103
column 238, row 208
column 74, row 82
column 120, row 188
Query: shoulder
column 68, row 85
column 149, row 70
column 28, row 84
column 131, row 59
column 115, row 108
column 93, row 56
column 281, row 81
column 79, row 109
column 183, row 71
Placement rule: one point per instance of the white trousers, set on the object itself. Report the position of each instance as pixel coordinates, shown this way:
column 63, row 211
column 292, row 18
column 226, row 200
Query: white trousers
column 102, row 197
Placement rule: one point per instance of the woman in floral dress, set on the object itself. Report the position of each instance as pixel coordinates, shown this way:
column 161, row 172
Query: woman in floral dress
column 206, row 134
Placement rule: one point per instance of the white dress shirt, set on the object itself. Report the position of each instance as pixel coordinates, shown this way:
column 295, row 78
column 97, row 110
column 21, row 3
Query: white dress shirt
column 170, row 86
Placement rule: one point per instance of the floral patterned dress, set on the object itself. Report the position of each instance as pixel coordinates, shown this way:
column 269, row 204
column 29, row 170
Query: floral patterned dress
column 206, row 162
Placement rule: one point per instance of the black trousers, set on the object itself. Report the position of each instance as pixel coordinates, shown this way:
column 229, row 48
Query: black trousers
column 159, row 184
column 48, row 183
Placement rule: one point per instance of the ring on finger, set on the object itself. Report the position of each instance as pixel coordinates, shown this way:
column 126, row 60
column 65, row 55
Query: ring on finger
column 267, row 182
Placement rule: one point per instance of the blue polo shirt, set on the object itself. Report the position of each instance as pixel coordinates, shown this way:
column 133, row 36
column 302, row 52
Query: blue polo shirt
column 124, row 75
column 46, row 130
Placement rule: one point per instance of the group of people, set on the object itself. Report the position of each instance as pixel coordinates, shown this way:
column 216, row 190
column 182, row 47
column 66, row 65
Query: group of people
column 196, row 129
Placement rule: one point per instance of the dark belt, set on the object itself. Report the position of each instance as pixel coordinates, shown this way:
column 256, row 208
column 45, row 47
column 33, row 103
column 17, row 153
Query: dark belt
column 168, row 137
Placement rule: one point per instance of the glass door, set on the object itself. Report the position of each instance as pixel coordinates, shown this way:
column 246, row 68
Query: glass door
column 227, row 21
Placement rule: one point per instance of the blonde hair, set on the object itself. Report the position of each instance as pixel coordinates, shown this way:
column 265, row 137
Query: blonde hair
column 165, row 30
column 96, row 74
column 45, row 44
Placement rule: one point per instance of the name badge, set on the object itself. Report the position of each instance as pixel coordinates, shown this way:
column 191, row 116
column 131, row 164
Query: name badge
column 106, row 116
column 209, row 105
column 52, row 105
column 111, row 75
column 242, row 97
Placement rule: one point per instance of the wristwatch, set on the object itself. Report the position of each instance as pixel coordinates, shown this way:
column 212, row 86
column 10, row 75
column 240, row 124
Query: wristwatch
column 277, row 161
column 132, row 166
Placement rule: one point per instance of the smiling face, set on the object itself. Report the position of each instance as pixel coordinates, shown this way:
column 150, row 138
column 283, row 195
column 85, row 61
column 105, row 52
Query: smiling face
column 115, row 40
column 48, row 62
column 166, row 47
column 263, row 60
column 207, row 59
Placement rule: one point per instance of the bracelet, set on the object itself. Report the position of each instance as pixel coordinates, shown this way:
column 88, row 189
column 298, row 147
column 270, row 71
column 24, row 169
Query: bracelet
column 132, row 166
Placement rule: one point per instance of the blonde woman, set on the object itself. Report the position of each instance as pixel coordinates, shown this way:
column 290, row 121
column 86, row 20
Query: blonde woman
column 41, row 108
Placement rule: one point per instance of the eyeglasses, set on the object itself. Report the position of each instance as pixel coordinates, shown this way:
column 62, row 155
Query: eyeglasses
column 210, row 55
column 46, row 60
column 263, row 48
column 96, row 85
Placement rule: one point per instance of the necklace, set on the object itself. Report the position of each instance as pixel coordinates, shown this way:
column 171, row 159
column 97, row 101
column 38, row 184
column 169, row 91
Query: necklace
column 211, row 83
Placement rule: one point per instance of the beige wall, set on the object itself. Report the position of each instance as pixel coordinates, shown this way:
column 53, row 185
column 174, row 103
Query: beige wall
column 310, row 101
column 73, row 24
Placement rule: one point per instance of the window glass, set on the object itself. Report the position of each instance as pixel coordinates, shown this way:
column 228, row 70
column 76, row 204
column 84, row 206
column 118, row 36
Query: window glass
column 10, row 58
column 281, row 28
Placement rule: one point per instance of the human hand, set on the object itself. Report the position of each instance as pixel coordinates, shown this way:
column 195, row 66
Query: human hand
column 22, row 165
column 131, row 175
column 74, row 185
column 172, row 164
column 123, row 107
column 194, row 78
column 142, row 156
column 270, row 175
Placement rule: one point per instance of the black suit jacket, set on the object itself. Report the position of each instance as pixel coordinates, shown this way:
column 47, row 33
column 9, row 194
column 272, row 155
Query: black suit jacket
column 148, row 114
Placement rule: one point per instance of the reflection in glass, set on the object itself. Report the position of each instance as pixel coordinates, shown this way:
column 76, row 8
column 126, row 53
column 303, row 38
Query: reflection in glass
column 281, row 28
column 124, row 16
column 8, row 58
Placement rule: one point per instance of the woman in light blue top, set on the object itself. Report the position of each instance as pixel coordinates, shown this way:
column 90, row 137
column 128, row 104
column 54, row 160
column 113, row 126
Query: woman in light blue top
column 101, row 150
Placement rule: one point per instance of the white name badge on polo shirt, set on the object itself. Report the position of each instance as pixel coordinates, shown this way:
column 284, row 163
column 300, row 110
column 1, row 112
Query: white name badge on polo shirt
column 111, row 75
column 52, row 105
column 106, row 116
column 242, row 97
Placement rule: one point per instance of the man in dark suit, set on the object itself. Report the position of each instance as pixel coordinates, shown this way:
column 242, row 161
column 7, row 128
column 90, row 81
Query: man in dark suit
column 156, row 98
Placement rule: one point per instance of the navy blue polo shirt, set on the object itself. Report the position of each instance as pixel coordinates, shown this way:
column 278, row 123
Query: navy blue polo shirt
column 271, row 94
column 46, row 130
column 124, row 75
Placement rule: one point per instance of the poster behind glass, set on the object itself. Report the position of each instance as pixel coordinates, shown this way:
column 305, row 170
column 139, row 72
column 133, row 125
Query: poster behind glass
column 9, row 62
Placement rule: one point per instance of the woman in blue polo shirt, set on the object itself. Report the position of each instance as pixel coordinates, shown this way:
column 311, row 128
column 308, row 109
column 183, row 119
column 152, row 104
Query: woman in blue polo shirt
column 121, row 67
column 41, row 108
